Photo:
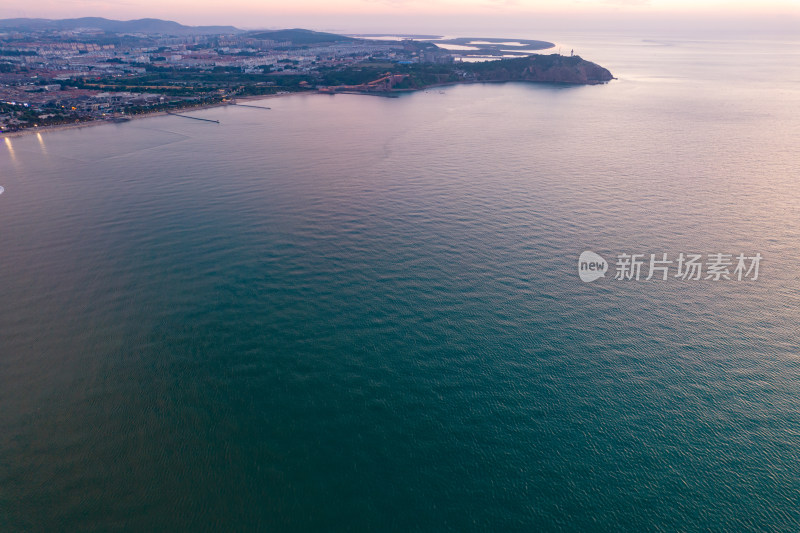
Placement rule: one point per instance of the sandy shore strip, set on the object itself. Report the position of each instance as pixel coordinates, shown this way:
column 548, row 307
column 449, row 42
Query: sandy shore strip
column 100, row 121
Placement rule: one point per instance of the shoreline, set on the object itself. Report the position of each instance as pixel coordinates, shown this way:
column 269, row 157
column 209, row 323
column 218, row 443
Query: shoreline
column 392, row 93
column 101, row 121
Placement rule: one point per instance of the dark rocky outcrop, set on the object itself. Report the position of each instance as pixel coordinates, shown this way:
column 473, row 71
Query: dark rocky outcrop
column 541, row 68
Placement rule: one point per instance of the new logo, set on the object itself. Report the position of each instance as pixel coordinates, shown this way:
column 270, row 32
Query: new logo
column 591, row 266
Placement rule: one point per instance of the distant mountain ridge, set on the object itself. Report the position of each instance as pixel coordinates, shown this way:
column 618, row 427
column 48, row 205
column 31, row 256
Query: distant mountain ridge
column 147, row 25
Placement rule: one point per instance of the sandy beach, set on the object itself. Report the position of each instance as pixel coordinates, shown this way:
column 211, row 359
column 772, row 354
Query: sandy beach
column 97, row 122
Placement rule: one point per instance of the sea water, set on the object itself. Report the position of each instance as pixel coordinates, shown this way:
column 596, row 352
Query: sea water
column 365, row 314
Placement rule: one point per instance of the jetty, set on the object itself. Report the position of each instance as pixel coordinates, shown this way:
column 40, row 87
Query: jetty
column 193, row 118
column 250, row 105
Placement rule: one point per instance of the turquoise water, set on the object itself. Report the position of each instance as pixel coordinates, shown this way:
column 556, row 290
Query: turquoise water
column 356, row 313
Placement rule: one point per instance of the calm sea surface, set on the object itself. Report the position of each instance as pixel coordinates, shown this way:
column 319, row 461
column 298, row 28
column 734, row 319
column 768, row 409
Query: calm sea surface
column 352, row 313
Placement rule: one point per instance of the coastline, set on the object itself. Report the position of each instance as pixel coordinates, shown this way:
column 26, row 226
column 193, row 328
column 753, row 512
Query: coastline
column 392, row 93
column 99, row 122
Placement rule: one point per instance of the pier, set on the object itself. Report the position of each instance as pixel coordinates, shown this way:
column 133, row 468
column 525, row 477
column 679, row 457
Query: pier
column 193, row 118
column 249, row 105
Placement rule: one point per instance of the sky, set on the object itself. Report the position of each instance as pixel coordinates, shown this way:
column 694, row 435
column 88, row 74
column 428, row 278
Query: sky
column 431, row 15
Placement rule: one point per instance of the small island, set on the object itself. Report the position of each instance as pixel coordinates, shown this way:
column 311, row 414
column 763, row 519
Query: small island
column 73, row 71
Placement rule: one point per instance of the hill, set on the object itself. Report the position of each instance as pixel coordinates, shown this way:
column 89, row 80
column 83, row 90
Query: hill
column 552, row 68
column 147, row 25
column 299, row 36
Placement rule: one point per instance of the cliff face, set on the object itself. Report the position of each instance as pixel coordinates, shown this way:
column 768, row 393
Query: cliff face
column 584, row 72
column 542, row 68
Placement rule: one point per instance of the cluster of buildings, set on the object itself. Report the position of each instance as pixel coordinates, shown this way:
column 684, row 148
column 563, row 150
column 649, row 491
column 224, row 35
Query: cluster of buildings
column 50, row 75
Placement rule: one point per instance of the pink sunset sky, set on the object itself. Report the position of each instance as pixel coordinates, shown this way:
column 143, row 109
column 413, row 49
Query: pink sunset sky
column 432, row 15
